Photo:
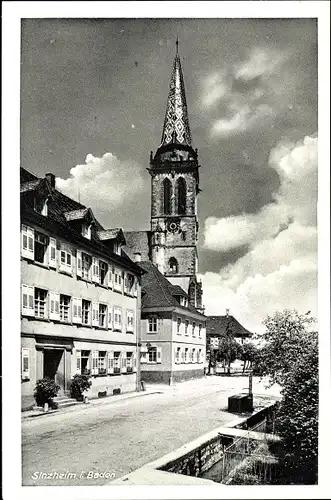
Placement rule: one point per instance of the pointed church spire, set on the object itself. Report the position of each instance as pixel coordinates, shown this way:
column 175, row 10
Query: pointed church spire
column 176, row 128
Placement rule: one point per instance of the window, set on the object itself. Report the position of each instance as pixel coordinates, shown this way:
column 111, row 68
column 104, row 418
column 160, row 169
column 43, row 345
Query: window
column 118, row 280
column 200, row 327
column 85, row 362
column 25, row 364
column 103, row 273
column 183, row 301
column 186, row 355
column 129, row 362
column 186, row 327
column 152, row 355
column 181, row 196
column 65, row 308
column 173, row 265
column 177, row 355
column 117, row 318
column 40, row 297
column 40, row 247
column 167, row 193
column 101, row 363
column 129, row 321
column 102, row 315
column 193, row 356
column 117, row 362
column 152, row 325
column 40, row 206
column 179, row 322
column 86, row 266
column 65, row 260
column 86, row 231
column 200, row 356
column 130, row 283
column 86, row 312
column 193, row 330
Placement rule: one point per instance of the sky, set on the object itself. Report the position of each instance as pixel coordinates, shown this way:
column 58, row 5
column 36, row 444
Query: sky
column 93, row 98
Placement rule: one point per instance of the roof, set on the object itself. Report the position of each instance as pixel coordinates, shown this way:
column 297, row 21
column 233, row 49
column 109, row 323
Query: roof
column 217, row 326
column 61, row 210
column 111, row 234
column 157, row 291
column 176, row 128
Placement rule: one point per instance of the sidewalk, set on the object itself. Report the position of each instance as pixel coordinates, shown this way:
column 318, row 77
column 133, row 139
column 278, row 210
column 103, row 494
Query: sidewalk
column 93, row 402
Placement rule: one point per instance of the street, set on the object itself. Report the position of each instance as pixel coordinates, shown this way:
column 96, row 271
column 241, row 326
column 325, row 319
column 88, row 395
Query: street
column 95, row 444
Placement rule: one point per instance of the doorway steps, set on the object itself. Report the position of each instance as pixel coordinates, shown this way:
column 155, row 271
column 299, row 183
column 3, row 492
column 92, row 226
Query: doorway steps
column 65, row 401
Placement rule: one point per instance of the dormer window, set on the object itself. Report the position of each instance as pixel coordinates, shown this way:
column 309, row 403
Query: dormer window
column 86, row 231
column 40, row 206
column 117, row 248
column 183, row 301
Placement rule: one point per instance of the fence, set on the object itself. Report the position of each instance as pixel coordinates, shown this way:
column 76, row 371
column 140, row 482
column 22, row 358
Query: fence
column 249, row 457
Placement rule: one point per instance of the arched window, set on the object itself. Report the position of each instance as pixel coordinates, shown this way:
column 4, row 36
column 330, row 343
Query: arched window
column 167, row 192
column 181, row 196
column 173, row 265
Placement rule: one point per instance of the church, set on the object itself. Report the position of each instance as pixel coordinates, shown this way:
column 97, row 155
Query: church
column 171, row 242
column 173, row 324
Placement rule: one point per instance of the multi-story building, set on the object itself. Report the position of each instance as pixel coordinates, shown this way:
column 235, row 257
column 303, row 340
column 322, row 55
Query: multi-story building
column 173, row 332
column 219, row 327
column 171, row 243
column 80, row 295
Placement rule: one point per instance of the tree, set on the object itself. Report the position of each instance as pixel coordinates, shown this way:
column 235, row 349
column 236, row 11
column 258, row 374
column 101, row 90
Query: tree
column 247, row 353
column 289, row 357
column 227, row 351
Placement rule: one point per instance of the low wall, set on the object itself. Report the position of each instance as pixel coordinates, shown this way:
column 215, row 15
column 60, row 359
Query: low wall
column 198, row 456
column 164, row 377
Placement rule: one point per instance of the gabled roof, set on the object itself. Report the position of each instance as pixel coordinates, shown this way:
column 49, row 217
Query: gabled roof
column 112, row 234
column 218, row 326
column 158, row 291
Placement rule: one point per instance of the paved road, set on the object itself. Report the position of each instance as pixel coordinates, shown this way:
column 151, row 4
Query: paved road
column 118, row 437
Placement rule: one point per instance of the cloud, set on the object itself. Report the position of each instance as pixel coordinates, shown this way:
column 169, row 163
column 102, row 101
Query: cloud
column 104, row 184
column 246, row 94
column 279, row 269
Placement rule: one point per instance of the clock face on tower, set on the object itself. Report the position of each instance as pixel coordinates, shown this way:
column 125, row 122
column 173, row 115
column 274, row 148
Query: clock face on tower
column 173, row 225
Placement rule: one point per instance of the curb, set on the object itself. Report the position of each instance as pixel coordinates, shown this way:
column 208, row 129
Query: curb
column 81, row 406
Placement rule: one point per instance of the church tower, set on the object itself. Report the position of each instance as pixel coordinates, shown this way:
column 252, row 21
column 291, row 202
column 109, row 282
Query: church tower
column 174, row 171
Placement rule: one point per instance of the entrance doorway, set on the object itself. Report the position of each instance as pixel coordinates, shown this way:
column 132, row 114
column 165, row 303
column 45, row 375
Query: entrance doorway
column 54, row 366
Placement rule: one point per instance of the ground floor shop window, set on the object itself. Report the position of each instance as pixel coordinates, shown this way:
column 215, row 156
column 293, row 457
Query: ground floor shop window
column 129, row 362
column 152, row 355
column 117, row 362
column 101, row 364
column 85, row 362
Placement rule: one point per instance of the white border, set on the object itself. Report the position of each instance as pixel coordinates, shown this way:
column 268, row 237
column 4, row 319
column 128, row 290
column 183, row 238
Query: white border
column 12, row 14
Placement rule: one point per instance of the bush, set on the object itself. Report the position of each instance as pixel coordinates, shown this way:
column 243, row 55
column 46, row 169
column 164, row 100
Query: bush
column 79, row 384
column 45, row 390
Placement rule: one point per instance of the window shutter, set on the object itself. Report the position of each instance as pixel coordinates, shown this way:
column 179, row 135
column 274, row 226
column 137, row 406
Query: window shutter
column 123, row 362
column 95, row 362
column 27, row 242
column 110, row 361
column 54, row 306
column 135, row 286
column 158, row 355
column 28, row 300
column 95, row 270
column 95, row 314
column 110, row 318
column 79, row 263
column 25, row 364
column 79, row 362
column 201, row 356
column 77, row 310
column 52, row 253
column 175, row 351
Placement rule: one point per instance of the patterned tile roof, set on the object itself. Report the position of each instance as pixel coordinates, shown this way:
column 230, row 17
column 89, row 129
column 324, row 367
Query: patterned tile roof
column 176, row 128
column 79, row 214
column 111, row 234
column 217, row 326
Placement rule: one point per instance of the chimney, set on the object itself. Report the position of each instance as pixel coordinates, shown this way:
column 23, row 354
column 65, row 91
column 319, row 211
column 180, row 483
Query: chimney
column 137, row 257
column 51, row 179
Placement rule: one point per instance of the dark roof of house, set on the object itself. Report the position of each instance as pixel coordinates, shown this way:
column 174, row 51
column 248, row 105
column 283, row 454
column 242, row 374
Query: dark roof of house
column 217, row 326
column 64, row 211
column 157, row 291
